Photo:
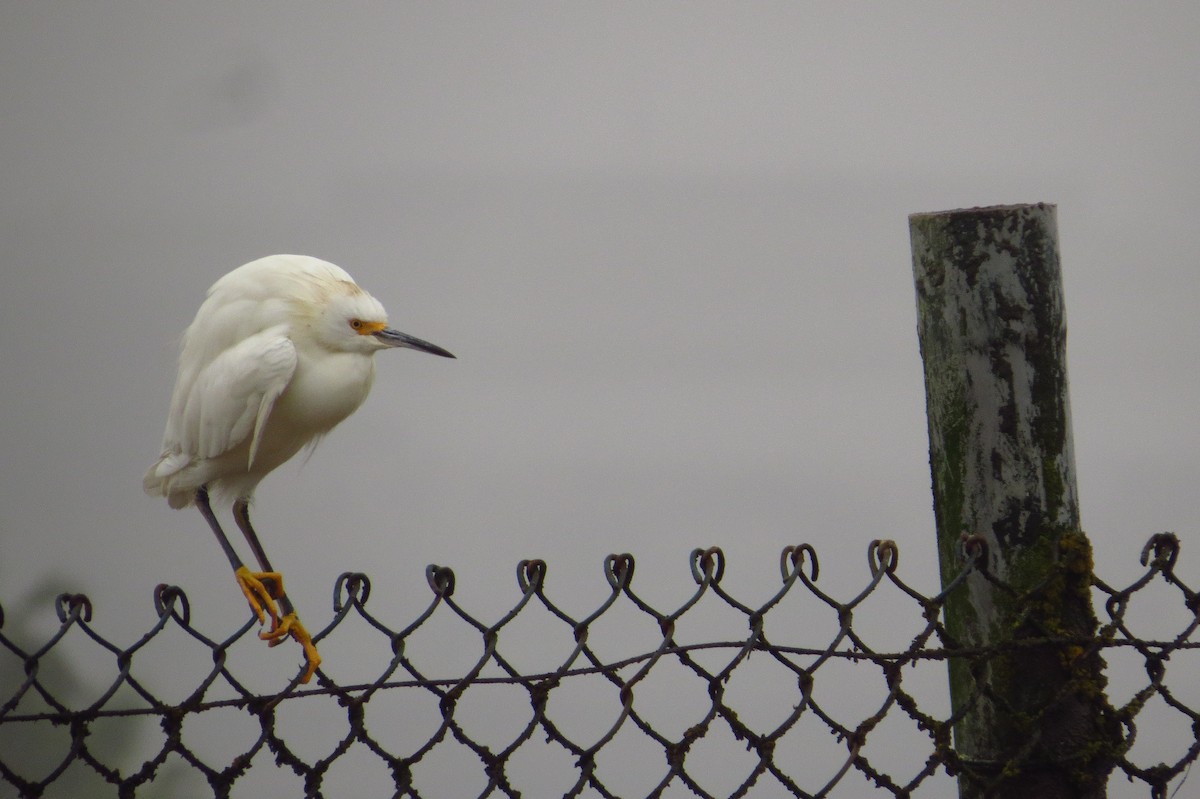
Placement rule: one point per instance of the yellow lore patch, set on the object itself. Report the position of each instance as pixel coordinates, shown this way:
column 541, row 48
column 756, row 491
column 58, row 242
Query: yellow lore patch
column 363, row 328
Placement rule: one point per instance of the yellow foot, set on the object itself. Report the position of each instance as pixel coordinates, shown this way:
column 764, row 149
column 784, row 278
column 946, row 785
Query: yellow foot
column 261, row 590
column 290, row 625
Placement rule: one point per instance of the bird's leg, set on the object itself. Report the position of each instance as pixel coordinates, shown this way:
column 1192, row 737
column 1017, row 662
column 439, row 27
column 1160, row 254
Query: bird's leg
column 256, row 592
column 289, row 624
column 271, row 579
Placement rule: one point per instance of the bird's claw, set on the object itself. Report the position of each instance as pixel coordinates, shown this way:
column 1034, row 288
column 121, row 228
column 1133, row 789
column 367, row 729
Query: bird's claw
column 290, row 625
column 261, row 589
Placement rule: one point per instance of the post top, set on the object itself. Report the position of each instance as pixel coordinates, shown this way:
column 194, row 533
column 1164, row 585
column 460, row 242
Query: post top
column 984, row 210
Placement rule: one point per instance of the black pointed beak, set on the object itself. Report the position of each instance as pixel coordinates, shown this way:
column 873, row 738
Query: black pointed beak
column 394, row 338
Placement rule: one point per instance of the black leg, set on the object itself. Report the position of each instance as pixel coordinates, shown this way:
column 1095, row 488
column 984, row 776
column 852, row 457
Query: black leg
column 261, row 590
column 206, row 511
column 241, row 515
column 257, row 594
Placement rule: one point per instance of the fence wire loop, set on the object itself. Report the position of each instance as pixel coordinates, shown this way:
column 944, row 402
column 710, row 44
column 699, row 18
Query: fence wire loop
column 792, row 559
column 1165, row 547
column 618, row 570
column 973, row 549
column 440, row 579
column 171, row 600
column 883, row 555
column 351, row 588
column 546, row 728
column 708, row 565
column 73, row 606
column 530, row 575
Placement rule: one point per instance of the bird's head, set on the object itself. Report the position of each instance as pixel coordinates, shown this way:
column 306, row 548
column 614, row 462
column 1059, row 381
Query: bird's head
column 349, row 319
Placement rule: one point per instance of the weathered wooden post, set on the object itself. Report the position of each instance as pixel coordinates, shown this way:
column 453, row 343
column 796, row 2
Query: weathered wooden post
column 993, row 339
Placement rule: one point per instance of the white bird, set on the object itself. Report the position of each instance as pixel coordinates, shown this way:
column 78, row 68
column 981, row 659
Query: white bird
column 279, row 353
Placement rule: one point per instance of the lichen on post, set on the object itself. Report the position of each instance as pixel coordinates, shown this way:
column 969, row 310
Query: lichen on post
column 993, row 334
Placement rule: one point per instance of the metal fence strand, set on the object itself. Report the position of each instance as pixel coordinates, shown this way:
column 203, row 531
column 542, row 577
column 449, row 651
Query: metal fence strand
column 619, row 691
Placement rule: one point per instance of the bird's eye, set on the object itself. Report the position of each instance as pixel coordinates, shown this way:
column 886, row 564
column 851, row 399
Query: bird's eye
column 356, row 324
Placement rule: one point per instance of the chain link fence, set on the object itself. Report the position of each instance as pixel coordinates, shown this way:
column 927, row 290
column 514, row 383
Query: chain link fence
column 762, row 713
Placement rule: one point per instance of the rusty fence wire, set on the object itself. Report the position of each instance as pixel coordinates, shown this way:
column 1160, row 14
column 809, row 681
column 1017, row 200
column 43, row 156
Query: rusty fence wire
column 761, row 713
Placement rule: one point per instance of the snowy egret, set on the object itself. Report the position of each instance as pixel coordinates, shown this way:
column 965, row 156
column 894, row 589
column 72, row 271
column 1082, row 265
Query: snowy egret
column 279, row 353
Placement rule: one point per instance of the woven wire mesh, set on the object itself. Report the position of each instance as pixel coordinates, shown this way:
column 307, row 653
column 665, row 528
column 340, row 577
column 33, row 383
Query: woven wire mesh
column 825, row 710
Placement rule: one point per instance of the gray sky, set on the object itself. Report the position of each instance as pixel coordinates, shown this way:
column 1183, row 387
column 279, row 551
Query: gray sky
column 668, row 243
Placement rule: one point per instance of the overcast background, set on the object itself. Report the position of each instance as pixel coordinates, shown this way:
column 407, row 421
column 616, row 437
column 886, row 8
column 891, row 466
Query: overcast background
column 668, row 243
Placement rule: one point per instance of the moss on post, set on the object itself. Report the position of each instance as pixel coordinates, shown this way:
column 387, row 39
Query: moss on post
column 993, row 340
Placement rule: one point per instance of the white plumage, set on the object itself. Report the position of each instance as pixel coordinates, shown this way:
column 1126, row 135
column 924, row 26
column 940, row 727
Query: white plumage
column 279, row 353
column 271, row 362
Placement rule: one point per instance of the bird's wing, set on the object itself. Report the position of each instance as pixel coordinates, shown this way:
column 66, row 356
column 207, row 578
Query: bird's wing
column 233, row 395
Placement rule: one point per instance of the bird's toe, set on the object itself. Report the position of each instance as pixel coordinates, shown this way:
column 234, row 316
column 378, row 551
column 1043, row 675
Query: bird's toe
column 261, row 590
column 290, row 626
